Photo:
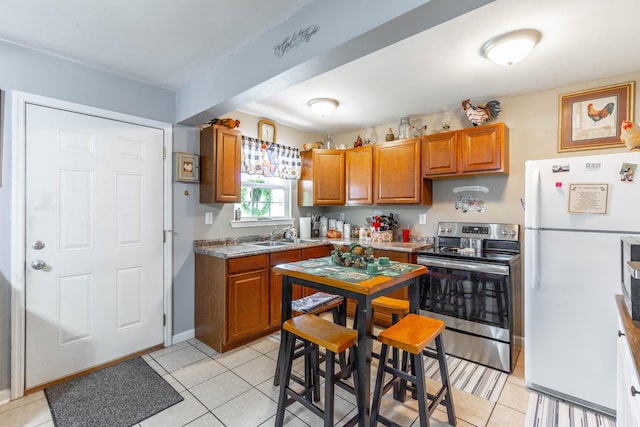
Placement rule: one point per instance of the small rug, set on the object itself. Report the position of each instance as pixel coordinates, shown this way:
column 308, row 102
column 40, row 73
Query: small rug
column 545, row 411
column 119, row 395
column 478, row 380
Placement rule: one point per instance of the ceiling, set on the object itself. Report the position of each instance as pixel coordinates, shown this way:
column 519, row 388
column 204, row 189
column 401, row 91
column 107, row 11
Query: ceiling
column 168, row 44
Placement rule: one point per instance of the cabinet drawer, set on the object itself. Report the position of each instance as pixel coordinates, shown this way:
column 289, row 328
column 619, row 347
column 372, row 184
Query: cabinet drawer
column 284, row 257
column 316, row 252
column 248, row 263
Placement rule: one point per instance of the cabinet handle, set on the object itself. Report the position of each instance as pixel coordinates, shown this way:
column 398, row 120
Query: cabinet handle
column 634, row 391
column 620, row 334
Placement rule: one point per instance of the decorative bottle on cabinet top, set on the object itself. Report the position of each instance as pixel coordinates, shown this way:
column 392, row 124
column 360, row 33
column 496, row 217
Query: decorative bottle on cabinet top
column 404, row 130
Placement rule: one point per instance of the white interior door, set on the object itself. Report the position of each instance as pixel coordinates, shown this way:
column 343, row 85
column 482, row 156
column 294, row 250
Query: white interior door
column 94, row 201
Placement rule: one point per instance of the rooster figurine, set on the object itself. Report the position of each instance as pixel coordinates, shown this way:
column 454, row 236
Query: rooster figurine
column 630, row 135
column 481, row 114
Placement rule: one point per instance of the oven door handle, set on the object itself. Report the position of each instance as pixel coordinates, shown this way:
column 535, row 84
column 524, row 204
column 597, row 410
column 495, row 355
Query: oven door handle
column 465, row 266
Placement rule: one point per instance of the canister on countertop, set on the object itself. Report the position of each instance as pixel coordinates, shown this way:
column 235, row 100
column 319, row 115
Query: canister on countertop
column 340, row 227
column 346, row 230
column 323, row 226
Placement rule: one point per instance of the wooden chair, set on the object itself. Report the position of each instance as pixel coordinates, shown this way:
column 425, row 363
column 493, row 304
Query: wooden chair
column 412, row 334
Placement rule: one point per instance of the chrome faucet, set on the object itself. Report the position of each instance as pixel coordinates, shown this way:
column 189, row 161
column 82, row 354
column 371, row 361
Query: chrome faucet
column 276, row 232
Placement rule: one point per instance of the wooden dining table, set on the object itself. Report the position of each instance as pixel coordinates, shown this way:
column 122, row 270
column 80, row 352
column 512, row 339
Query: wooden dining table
column 355, row 283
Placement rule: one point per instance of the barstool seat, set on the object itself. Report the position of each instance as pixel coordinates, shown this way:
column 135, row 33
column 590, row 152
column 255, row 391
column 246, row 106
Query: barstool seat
column 393, row 306
column 335, row 339
column 412, row 334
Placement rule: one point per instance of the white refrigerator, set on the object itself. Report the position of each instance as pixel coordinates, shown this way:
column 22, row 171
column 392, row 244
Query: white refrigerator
column 576, row 210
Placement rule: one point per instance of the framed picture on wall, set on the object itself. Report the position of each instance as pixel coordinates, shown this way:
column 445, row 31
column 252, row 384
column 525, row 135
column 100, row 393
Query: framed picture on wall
column 591, row 119
column 186, row 167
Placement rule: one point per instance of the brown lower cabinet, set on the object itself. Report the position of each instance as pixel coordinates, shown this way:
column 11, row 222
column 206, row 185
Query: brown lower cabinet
column 383, row 319
column 232, row 300
column 238, row 300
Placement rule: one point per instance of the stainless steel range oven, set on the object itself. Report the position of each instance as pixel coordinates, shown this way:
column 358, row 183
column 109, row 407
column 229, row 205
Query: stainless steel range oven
column 473, row 269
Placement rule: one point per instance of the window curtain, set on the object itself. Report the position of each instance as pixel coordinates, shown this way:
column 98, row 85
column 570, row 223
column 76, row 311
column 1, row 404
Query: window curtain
column 270, row 159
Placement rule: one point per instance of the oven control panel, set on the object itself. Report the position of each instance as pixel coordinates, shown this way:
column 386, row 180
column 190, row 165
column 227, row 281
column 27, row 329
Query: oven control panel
column 509, row 232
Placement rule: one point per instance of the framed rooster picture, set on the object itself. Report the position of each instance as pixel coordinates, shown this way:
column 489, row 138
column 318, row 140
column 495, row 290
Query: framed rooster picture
column 592, row 119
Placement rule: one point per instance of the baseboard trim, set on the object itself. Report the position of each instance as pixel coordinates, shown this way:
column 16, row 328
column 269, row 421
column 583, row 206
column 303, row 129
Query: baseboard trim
column 183, row 336
column 519, row 341
column 5, row 396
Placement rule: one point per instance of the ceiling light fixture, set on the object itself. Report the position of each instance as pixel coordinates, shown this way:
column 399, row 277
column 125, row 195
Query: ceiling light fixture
column 509, row 48
column 323, row 106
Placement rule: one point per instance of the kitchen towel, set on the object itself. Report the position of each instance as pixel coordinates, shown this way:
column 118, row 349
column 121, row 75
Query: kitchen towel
column 305, row 227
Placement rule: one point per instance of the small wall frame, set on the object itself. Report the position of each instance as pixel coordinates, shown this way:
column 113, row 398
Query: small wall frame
column 186, row 167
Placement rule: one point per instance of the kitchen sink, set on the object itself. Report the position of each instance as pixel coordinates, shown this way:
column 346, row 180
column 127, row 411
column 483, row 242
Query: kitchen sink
column 271, row 243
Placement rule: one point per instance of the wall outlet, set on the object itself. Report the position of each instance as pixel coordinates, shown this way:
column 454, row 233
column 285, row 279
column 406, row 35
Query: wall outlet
column 341, row 216
column 422, row 218
column 208, row 217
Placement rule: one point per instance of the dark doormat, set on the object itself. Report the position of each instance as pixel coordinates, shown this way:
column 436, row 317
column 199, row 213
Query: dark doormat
column 119, row 395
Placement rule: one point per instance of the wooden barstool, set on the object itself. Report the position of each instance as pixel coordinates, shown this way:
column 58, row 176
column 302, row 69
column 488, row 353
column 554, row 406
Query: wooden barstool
column 317, row 304
column 335, row 339
column 412, row 334
column 397, row 308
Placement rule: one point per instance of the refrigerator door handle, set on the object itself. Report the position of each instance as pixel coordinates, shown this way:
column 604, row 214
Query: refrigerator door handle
column 535, row 259
column 532, row 196
column 533, row 212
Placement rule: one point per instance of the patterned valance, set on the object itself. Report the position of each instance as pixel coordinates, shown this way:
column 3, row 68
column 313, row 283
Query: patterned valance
column 270, row 159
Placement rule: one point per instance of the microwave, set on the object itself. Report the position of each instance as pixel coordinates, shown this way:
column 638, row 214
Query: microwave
column 630, row 273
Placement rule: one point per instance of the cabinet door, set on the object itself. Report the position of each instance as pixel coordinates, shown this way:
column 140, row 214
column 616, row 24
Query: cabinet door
column 220, row 162
column 440, row 154
column 396, row 168
column 484, row 149
column 628, row 404
column 359, row 176
column 328, row 177
column 248, row 309
column 229, row 158
column 275, row 283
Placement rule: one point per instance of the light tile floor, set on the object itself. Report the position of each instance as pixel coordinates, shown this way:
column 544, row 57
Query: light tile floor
column 236, row 389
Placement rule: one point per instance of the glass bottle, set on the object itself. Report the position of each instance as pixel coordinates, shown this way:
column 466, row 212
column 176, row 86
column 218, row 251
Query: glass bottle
column 404, row 130
column 328, row 142
column 370, row 135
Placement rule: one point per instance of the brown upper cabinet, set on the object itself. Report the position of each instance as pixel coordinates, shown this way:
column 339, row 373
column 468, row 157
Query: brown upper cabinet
column 396, row 173
column 322, row 178
column 473, row 151
column 220, row 163
column 386, row 173
column 359, row 176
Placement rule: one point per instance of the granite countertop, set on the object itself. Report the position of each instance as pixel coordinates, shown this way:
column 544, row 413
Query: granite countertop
column 631, row 330
column 234, row 248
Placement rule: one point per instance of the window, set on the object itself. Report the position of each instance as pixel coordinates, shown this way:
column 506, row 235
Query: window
column 264, row 197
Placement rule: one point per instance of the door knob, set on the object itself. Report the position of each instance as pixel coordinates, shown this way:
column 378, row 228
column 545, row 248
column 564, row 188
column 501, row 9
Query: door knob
column 37, row 245
column 38, row 264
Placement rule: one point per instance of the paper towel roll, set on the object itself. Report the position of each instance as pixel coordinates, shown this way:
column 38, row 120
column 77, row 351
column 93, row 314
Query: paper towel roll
column 305, row 227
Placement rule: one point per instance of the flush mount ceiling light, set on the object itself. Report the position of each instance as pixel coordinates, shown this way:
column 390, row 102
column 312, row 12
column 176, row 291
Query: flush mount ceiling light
column 323, row 106
column 509, row 48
